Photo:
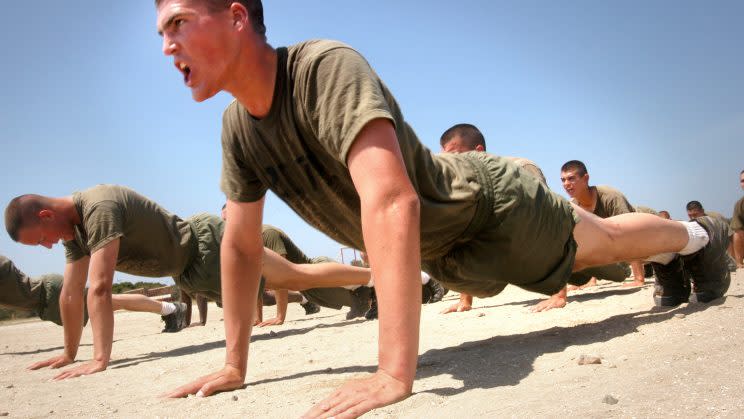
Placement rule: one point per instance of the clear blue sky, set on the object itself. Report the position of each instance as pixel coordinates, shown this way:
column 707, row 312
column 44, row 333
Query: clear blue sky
column 650, row 94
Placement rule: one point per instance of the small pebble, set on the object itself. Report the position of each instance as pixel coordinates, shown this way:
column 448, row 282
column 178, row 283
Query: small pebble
column 589, row 359
column 4, row 414
column 481, row 314
column 329, row 369
column 679, row 316
column 623, row 358
column 609, row 400
column 9, row 386
column 235, row 398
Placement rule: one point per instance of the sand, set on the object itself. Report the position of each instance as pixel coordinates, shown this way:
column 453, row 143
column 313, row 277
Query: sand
column 497, row 360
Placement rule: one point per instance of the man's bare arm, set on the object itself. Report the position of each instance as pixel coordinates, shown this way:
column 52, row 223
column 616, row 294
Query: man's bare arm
column 282, row 300
column 240, row 258
column 100, row 310
column 390, row 224
column 739, row 247
column 71, row 306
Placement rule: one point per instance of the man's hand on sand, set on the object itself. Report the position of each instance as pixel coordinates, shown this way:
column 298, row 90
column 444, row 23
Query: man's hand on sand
column 229, row 378
column 53, row 362
column 457, row 307
column 271, row 322
column 88, row 368
column 555, row 301
column 357, row 397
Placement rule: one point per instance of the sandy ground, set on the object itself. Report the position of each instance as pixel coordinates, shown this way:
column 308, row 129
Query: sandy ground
column 498, row 360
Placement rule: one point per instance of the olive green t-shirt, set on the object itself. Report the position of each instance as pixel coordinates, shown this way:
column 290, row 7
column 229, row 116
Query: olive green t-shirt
column 530, row 166
column 325, row 93
column 737, row 221
column 610, row 202
column 153, row 242
column 278, row 241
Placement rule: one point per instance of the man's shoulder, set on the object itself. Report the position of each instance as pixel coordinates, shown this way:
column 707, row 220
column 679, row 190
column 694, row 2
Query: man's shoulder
column 104, row 192
column 315, row 48
column 609, row 191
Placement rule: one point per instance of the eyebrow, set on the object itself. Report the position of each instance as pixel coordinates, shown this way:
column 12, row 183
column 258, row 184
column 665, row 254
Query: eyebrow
column 169, row 22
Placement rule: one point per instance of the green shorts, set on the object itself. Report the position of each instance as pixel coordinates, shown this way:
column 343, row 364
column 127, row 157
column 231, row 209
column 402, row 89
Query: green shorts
column 202, row 275
column 49, row 304
column 616, row 272
column 521, row 234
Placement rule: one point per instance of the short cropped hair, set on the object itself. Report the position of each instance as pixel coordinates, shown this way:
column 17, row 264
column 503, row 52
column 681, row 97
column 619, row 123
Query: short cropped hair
column 575, row 165
column 21, row 212
column 469, row 133
column 694, row 205
column 254, row 7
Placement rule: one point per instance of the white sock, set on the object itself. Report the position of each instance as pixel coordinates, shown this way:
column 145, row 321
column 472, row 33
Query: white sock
column 698, row 238
column 371, row 282
column 304, row 300
column 424, row 278
column 167, row 308
column 663, row 258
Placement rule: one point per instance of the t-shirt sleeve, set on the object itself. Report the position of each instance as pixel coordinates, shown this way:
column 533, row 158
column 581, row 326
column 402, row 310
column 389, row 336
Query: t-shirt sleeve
column 737, row 221
column 618, row 204
column 341, row 94
column 239, row 181
column 73, row 251
column 104, row 224
column 273, row 240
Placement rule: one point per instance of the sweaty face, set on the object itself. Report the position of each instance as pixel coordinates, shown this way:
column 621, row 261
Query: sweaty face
column 573, row 183
column 741, row 180
column 457, row 145
column 42, row 234
column 695, row 213
column 200, row 43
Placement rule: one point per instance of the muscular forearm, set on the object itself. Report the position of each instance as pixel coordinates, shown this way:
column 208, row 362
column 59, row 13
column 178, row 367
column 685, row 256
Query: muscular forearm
column 391, row 235
column 71, row 305
column 739, row 247
column 240, row 272
column 282, row 299
column 636, row 267
column 102, row 319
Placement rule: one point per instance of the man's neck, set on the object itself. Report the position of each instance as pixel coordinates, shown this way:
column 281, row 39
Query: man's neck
column 254, row 79
column 588, row 200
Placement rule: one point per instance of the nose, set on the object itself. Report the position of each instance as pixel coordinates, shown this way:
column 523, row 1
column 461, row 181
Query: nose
column 169, row 45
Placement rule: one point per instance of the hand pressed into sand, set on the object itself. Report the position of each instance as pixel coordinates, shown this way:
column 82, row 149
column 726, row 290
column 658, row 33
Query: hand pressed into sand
column 357, row 397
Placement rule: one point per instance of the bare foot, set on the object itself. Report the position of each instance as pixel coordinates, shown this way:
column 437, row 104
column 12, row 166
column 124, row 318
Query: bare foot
column 592, row 283
column 635, row 283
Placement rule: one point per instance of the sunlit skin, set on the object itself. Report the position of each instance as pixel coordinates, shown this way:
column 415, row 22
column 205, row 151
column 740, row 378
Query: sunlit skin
column 695, row 213
column 457, row 145
column 577, row 187
column 50, row 227
column 207, row 62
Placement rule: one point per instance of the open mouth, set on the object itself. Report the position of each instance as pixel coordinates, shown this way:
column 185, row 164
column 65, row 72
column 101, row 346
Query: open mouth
column 186, row 71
